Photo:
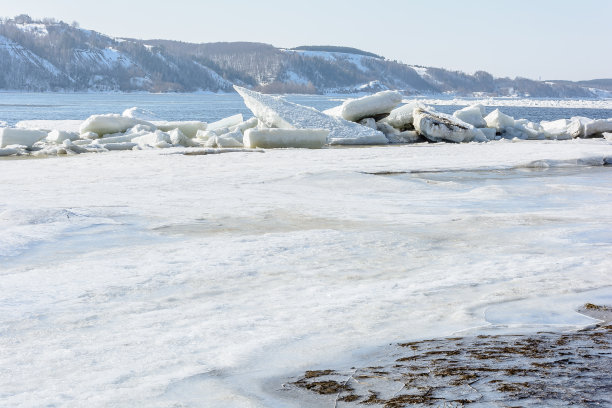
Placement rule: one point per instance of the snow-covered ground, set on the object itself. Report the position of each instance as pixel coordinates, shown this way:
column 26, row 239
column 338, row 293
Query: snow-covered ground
column 150, row 278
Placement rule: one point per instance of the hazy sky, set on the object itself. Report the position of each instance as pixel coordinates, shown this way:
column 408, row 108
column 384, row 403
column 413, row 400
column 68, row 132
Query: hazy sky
column 558, row 39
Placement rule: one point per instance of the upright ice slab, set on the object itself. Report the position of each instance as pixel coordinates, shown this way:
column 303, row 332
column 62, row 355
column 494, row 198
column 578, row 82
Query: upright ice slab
column 276, row 112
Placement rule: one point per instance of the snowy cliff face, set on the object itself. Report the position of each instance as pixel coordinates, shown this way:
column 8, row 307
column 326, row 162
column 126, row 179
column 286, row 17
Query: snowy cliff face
column 41, row 56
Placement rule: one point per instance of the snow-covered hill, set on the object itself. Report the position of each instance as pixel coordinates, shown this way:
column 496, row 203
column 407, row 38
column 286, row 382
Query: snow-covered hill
column 51, row 56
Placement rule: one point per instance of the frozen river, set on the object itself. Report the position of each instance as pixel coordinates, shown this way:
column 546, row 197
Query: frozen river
column 155, row 279
column 15, row 107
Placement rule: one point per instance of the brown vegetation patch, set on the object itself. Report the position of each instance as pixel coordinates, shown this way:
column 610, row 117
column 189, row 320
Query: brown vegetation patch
column 543, row 369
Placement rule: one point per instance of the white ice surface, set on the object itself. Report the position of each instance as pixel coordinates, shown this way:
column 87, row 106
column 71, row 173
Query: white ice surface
column 284, row 138
column 161, row 280
column 278, row 113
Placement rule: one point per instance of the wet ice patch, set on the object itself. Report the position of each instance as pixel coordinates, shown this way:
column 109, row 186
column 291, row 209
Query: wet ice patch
column 23, row 230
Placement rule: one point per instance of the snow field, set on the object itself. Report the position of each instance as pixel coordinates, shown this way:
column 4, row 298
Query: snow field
column 141, row 290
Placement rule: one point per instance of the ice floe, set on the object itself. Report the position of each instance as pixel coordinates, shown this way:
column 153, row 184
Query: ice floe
column 24, row 137
column 381, row 103
column 439, row 127
column 110, row 123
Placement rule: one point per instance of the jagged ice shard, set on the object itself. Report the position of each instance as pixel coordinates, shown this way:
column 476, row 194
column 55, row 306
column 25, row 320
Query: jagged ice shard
column 276, row 112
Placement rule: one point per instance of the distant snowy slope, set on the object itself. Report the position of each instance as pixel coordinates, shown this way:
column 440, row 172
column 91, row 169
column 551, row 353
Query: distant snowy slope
column 22, row 69
column 51, row 55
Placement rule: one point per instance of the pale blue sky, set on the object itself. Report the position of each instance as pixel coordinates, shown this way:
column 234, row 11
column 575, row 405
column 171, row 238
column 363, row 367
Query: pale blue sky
column 558, row 39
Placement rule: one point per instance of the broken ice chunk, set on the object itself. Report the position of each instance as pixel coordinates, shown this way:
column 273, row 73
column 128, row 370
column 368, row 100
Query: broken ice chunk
column 204, row 135
column 118, row 146
column 561, row 129
column 235, row 134
column 111, row 123
column 178, row 138
column 472, row 115
column 226, row 122
column 499, row 121
column 440, row 127
column 380, row 103
column 276, row 112
column 592, row 127
column 139, row 113
column 187, row 128
column 247, row 124
column 9, row 151
column 89, row 136
column 228, row 141
column 369, row 122
column 58, row 136
column 24, row 137
column 489, row 133
column 283, row 138
column 155, row 139
column 387, row 129
column 407, row 136
column 68, row 144
column 402, row 117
